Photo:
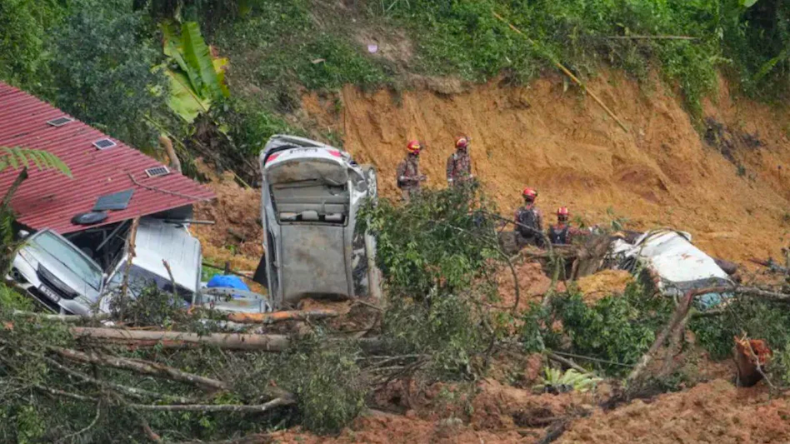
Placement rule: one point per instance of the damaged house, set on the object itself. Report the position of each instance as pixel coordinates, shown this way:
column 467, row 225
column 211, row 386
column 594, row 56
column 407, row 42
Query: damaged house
column 77, row 228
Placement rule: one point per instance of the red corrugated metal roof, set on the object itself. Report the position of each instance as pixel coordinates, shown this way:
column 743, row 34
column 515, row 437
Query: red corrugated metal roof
column 48, row 199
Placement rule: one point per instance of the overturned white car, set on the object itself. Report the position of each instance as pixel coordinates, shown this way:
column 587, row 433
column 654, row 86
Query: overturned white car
column 311, row 194
column 675, row 263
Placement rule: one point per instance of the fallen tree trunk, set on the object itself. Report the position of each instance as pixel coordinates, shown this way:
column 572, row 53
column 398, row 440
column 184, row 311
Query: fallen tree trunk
column 139, row 366
column 225, row 341
column 176, row 339
column 231, row 408
column 281, row 316
column 762, row 294
column 677, row 320
column 60, row 317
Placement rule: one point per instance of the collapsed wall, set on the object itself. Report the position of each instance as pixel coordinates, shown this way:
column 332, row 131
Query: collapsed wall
column 732, row 195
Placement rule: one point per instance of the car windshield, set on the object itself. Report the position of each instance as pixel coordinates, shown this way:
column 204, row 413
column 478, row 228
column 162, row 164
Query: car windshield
column 65, row 253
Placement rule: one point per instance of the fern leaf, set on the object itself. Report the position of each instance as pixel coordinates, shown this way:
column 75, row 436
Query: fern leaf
column 18, row 158
column 36, row 159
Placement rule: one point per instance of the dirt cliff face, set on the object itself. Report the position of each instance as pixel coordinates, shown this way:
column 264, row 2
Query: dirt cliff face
column 662, row 172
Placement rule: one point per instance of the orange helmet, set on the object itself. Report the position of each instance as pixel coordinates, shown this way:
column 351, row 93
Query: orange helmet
column 529, row 193
column 461, row 142
column 562, row 212
column 414, row 147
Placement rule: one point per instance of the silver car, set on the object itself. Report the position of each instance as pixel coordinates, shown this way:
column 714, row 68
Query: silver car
column 57, row 274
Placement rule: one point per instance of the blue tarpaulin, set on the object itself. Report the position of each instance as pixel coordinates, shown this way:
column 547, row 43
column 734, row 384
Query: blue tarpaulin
column 220, row 281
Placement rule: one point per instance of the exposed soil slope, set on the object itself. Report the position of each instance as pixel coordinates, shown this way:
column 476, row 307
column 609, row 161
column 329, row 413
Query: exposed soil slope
column 714, row 412
column 660, row 173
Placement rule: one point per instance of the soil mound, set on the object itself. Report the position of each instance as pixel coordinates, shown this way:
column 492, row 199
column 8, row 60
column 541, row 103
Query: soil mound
column 714, row 412
column 604, row 283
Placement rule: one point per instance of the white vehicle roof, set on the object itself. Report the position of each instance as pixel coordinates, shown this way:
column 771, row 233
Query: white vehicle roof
column 157, row 240
column 672, row 255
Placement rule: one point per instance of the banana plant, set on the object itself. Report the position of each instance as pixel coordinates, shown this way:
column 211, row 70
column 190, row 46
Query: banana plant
column 197, row 79
column 555, row 381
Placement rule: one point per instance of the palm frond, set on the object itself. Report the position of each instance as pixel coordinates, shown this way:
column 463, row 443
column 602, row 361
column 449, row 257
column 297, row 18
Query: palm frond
column 18, row 157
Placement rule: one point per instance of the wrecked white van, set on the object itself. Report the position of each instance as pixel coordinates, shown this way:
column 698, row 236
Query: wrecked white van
column 674, row 261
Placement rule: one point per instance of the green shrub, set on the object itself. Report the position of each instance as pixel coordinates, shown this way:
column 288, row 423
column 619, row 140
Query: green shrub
column 102, row 68
column 251, row 127
column 462, row 37
column 11, row 299
column 448, row 330
column 441, row 243
column 758, row 319
column 24, row 29
column 617, row 328
column 327, row 382
column 437, row 255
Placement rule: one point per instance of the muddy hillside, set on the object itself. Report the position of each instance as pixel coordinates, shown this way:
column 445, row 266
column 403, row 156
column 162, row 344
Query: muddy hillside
column 725, row 181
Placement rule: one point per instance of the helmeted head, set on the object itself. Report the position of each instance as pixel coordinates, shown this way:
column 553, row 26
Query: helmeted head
column 563, row 214
column 414, row 147
column 529, row 194
column 461, row 143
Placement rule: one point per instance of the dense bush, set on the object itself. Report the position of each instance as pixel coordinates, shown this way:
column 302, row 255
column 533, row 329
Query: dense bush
column 327, row 381
column 24, row 32
column 102, row 68
column 440, row 243
column 437, row 255
column 758, row 319
column 617, row 329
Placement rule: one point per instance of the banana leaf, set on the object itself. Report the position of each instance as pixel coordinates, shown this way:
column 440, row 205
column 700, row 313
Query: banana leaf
column 183, row 100
column 174, row 49
column 198, row 57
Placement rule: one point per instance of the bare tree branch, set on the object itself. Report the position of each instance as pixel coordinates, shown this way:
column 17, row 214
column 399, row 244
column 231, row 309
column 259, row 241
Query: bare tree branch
column 143, row 367
column 232, row 408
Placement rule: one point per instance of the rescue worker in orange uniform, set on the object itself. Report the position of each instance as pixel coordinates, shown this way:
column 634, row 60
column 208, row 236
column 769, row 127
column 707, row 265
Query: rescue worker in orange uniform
column 529, row 220
column 408, row 175
column 562, row 233
column 459, row 165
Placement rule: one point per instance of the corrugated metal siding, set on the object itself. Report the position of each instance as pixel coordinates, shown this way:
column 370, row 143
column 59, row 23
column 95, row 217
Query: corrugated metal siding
column 49, row 200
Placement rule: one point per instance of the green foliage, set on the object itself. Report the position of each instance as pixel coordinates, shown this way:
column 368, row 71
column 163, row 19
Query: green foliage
column 555, row 381
column 781, row 364
column 251, row 127
column 448, row 330
column 757, row 318
column 102, row 69
column 436, row 257
column 210, row 13
column 18, row 158
column 329, row 63
column 278, row 43
column 196, row 78
column 328, row 383
column 11, row 300
column 150, row 306
column 462, row 37
column 24, row 27
column 438, row 244
column 616, row 328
